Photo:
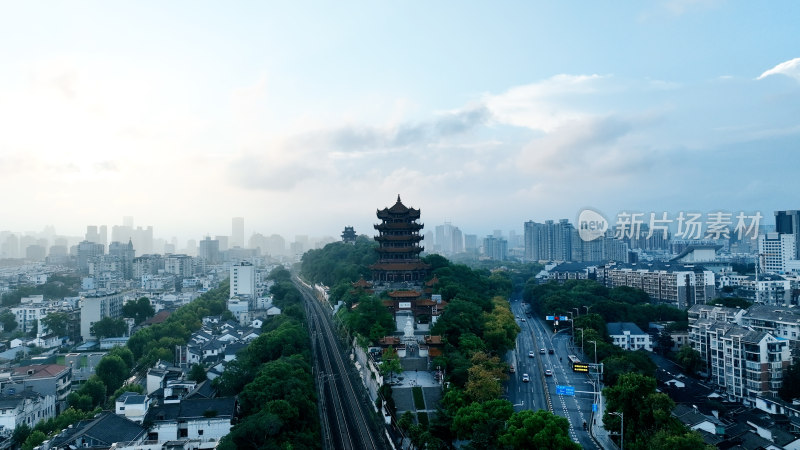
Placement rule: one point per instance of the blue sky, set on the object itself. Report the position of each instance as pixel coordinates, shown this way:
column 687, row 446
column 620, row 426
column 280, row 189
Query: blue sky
column 304, row 117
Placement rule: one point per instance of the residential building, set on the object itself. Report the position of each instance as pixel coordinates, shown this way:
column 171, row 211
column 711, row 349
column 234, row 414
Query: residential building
column 678, row 285
column 87, row 251
column 775, row 251
column 788, row 222
column 105, row 430
column 495, row 248
column 180, row 265
column 46, row 379
column 28, row 316
column 26, row 407
column 243, row 280
column 202, row 419
column 628, row 336
column 97, row 306
column 209, row 251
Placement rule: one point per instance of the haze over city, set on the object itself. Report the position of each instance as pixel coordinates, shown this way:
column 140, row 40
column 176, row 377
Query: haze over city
column 305, row 117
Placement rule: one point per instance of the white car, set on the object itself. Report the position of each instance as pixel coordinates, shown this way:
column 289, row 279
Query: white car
column 525, row 378
column 548, row 373
column 530, row 354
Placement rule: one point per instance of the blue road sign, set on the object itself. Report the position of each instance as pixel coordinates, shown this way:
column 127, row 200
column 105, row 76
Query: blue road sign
column 565, row 390
column 550, row 317
column 594, row 407
column 563, row 318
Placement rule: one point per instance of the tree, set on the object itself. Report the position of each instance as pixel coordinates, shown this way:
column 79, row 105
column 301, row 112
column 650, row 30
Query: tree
column 34, row 440
column 9, row 321
column 481, row 422
column 20, row 434
column 113, row 372
column 109, row 327
column 390, row 364
column 689, row 359
column 790, row 389
column 691, row 440
column 198, row 373
column 139, row 310
column 56, row 322
column 663, row 343
column 541, row 430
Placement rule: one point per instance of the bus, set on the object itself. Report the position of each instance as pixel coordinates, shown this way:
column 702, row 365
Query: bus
column 577, row 365
column 573, row 360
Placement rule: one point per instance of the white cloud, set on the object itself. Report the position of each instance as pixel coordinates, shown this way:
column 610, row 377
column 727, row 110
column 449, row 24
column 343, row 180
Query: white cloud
column 545, row 105
column 790, row 68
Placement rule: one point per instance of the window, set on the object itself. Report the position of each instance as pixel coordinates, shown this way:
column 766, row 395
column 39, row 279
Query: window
column 199, row 432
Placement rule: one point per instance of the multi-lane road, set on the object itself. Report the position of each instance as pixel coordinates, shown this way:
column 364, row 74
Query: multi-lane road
column 540, row 392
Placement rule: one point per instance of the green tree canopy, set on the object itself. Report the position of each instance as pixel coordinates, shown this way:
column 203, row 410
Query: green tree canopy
column 109, row 327
column 537, row 429
column 139, row 310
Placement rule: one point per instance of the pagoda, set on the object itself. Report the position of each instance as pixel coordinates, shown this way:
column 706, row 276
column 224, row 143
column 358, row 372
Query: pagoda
column 399, row 249
column 349, row 235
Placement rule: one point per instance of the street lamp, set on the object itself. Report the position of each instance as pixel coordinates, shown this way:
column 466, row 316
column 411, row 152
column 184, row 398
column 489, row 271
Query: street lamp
column 577, row 311
column 595, row 352
column 587, row 308
column 621, row 428
column 581, row 338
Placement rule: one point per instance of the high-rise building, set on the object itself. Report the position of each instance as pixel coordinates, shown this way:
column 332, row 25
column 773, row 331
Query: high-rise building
column 223, row 242
column 237, row 232
column 788, row 222
column 86, row 251
column 124, row 254
column 209, row 250
column 775, row 251
column 243, row 280
column 96, row 307
column 495, row 248
column 548, row 241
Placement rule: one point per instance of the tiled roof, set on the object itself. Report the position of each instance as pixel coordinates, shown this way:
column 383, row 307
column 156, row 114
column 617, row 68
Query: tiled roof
column 40, row 370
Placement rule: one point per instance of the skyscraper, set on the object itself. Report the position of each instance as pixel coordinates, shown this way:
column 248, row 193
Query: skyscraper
column 788, row 222
column 237, row 232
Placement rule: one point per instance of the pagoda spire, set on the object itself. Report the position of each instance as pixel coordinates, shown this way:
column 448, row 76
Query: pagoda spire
column 398, row 198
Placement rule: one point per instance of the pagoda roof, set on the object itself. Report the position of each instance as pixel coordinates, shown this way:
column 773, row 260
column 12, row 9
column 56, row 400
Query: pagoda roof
column 399, row 226
column 434, row 352
column 434, row 340
column 426, row 302
column 400, row 238
column 405, row 294
column 388, row 303
column 398, row 209
column 390, row 340
column 410, row 248
column 400, row 266
column 362, row 283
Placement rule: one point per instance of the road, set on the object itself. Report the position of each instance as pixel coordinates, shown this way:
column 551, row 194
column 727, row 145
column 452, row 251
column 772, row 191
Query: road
column 540, row 392
column 347, row 419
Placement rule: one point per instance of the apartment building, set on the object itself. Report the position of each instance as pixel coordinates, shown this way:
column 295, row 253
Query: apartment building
column 628, row 336
column 95, row 307
column 675, row 284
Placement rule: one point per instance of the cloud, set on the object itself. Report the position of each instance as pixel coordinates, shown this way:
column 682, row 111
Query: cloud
column 545, row 105
column 269, row 172
column 448, row 124
column 790, row 68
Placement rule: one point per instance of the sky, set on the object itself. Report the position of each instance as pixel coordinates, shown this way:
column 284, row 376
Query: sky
column 304, row 117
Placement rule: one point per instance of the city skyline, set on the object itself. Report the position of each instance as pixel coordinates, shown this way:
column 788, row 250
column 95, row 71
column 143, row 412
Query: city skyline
column 305, row 118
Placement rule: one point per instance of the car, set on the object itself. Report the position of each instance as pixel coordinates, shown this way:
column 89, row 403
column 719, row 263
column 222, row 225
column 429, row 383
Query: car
column 550, row 351
column 530, row 354
column 512, row 369
column 525, row 378
column 523, row 319
column 548, row 373
column 542, row 351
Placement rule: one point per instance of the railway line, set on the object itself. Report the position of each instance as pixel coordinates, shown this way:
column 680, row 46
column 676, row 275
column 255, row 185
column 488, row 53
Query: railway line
column 348, row 421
